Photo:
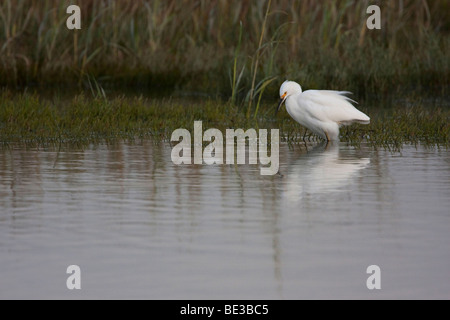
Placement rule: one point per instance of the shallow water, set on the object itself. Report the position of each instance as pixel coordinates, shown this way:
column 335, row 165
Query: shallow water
column 141, row 227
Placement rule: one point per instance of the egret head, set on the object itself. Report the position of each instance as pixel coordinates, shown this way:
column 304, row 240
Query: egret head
column 287, row 89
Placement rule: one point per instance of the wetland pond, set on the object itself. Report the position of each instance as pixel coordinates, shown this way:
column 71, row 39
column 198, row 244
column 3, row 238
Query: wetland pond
column 140, row 226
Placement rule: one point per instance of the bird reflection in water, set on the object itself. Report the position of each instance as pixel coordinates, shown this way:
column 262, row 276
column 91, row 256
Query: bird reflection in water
column 325, row 169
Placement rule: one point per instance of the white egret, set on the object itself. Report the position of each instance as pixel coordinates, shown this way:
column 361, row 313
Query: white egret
column 321, row 111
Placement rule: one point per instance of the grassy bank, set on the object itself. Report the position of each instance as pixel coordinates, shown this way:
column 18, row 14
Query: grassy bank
column 228, row 47
column 33, row 121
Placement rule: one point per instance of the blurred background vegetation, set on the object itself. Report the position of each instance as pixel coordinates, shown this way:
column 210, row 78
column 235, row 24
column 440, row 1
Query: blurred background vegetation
column 144, row 68
column 224, row 48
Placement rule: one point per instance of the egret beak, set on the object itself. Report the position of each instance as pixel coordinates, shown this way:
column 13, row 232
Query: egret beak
column 282, row 98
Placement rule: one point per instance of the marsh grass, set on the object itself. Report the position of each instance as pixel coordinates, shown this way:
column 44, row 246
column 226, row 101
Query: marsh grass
column 239, row 51
column 195, row 45
column 34, row 121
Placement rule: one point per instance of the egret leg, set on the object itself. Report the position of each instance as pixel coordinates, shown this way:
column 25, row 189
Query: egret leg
column 304, row 141
column 304, row 135
column 326, row 134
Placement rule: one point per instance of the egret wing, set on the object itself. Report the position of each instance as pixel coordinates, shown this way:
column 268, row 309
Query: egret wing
column 328, row 105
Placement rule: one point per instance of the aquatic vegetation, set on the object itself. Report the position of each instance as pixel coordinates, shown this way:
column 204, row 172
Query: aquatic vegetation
column 234, row 54
column 34, row 121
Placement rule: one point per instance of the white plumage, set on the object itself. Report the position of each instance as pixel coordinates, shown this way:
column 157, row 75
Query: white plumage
column 321, row 111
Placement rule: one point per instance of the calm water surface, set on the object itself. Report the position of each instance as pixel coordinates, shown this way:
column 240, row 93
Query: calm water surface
column 142, row 227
